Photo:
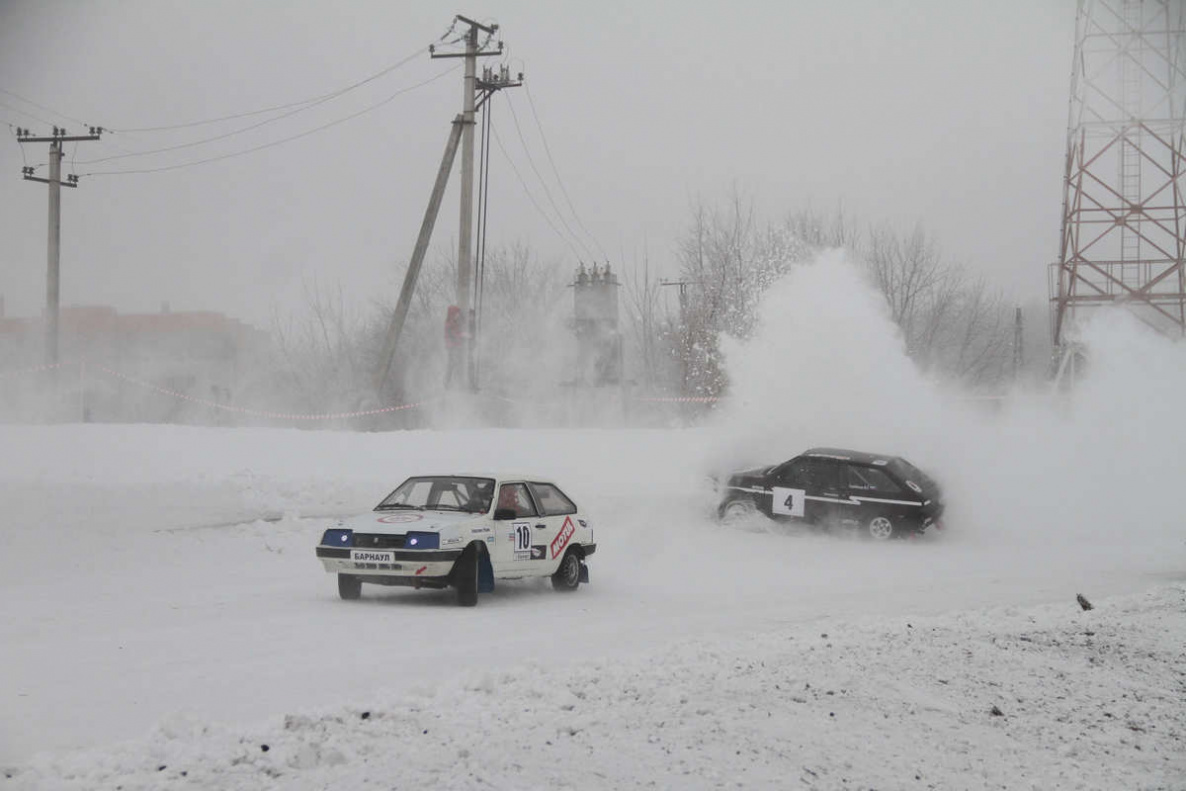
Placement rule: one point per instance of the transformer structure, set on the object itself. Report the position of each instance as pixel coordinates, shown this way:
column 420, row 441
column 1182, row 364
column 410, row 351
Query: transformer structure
column 1124, row 214
column 599, row 341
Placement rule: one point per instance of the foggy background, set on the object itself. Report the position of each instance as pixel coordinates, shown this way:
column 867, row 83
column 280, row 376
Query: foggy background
column 951, row 115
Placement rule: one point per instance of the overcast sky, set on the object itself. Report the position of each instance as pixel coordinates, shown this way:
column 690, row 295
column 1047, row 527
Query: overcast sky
column 951, row 113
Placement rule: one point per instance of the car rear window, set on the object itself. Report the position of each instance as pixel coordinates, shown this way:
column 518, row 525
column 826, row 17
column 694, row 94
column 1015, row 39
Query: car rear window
column 552, row 501
column 913, row 475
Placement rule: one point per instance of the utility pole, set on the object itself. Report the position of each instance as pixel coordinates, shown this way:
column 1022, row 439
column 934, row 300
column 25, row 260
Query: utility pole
column 52, row 281
column 473, row 51
column 1018, row 345
column 461, row 134
column 391, row 341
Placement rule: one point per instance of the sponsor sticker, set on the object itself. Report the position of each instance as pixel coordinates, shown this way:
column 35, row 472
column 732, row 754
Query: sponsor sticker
column 370, row 556
column 563, row 537
column 396, row 519
column 539, row 552
column 522, row 556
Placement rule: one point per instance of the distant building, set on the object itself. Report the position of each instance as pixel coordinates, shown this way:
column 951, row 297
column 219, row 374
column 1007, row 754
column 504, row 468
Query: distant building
column 201, row 354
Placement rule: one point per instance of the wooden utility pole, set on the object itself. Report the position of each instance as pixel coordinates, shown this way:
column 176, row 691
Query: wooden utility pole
column 463, row 134
column 395, row 327
column 54, row 242
column 473, row 51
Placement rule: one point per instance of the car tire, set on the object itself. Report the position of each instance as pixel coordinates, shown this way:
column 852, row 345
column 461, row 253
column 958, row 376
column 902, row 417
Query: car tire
column 568, row 575
column 349, row 588
column 465, row 577
column 737, row 511
column 880, row 528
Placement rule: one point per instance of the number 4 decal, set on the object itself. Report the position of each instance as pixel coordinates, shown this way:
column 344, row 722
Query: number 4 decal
column 787, row 502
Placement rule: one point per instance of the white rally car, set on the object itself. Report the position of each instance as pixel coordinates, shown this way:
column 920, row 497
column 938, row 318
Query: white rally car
column 464, row 531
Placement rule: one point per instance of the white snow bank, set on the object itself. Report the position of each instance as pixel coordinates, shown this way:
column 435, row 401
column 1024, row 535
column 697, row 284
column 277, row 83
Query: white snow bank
column 1045, row 698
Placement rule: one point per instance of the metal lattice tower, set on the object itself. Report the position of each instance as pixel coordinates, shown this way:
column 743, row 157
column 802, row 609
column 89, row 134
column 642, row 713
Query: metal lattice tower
column 1124, row 211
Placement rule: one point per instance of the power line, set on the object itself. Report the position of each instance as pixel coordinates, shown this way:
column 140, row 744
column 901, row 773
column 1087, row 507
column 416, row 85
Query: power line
column 273, row 108
column 303, row 104
column 547, row 192
column 310, row 104
column 38, row 119
column 531, row 197
column 41, row 107
column 560, row 181
column 231, row 155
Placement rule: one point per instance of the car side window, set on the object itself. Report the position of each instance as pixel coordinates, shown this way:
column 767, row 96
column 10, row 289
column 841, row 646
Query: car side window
column 810, row 474
column 794, row 473
column 825, row 476
column 552, row 501
column 516, row 497
column 870, row 480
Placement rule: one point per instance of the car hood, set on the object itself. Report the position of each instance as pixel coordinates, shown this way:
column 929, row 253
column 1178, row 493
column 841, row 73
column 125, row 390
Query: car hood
column 755, row 473
column 400, row 522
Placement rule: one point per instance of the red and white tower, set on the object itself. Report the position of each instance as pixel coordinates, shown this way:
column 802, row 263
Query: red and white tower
column 1124, row 212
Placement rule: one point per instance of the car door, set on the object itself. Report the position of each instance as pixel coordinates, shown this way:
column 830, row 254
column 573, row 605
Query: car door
column 555, row 528
column 513, row 538
column 879, row 495
column 806, row 489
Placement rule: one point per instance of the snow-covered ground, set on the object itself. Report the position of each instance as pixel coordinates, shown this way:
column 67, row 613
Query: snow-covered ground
column 147, row 601
column 164, row 623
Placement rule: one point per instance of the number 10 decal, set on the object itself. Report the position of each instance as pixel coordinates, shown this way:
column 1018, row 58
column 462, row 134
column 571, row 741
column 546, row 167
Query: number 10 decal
column 788, row 502
column 522, row 536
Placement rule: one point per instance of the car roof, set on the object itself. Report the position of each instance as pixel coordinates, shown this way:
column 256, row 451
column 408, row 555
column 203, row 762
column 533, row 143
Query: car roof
column 498, row 476
column 843, row 454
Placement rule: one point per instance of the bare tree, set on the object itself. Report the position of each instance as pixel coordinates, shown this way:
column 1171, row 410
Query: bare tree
column 320, row 361
column 648, row 324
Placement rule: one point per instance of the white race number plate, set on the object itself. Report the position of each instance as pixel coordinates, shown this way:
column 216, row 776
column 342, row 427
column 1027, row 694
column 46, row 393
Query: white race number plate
column 788, row 502
column 370, row 556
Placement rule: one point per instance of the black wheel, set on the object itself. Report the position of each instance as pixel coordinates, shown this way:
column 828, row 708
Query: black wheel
column 880, row 528
column 465, row 577
column 568, row 576
column 349, row 588
column 737, row 511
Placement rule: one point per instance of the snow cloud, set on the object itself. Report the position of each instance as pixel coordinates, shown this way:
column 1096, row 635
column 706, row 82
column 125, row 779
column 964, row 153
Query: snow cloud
column 1061, row 473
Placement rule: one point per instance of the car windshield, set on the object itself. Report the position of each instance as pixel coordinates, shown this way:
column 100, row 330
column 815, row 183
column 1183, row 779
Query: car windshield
column 441, row 493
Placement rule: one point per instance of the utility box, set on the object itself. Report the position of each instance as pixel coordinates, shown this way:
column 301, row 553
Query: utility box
column 599, row 339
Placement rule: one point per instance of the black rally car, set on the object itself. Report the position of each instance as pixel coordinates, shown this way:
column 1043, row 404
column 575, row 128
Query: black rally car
column 882, row 496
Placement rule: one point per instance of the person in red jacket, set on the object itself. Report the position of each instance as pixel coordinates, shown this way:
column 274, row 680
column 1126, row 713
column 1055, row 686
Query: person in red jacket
column 454, row 341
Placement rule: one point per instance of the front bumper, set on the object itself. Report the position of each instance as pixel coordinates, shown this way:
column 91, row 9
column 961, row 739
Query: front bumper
column 406, row 567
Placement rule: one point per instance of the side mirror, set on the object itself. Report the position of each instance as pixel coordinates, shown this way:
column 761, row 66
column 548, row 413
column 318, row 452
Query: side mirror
column 502, row 514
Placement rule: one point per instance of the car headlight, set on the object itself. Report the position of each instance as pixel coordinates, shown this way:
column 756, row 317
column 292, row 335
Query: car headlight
column 418, row 540
column 337, row 537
